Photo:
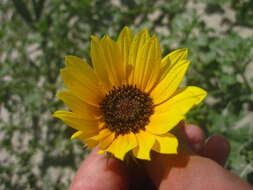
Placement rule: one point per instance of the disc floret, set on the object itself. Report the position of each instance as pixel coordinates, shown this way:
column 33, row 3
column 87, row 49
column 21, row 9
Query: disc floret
column 126, row 109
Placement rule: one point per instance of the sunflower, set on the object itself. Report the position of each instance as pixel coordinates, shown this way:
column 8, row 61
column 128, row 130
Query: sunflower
column 129, row 99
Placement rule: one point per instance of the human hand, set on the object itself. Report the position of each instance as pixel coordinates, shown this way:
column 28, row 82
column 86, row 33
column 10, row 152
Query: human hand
column 201, row 169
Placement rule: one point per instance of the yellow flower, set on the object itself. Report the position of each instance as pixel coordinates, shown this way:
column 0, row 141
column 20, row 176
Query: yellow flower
column 129, row 99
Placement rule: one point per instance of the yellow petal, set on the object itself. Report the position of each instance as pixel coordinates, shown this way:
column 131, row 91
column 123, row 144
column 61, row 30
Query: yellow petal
column 81, row 66
column 101, row 151
column 82, row 85
column 162, row 123
column 107, row 141
column 167, row 115
column 170, row 83
column 145, row 142
column 113, row 60
column 166, row 144
column 77, row 134
column 147, row 65
column 182, row 101
column 93, row 141
column 124, row 41
column 102, row 134
column 171, row 59
column 139, row 40
column 99, row 62
column 122, row 144
column 107, row 61
column 75, row 121
column 84, row 138
column 77, row 105
column 155, row 70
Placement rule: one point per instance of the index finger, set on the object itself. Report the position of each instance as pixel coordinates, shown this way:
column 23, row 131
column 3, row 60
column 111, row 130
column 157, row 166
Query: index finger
column 101, row 173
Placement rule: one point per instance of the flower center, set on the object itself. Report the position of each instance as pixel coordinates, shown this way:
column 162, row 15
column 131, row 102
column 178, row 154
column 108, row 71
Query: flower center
column 126, row 109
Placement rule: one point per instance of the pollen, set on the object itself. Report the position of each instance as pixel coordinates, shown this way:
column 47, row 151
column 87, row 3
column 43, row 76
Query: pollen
column 126, row 109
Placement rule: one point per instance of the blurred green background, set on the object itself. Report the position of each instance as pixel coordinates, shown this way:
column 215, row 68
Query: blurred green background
column 35, row 35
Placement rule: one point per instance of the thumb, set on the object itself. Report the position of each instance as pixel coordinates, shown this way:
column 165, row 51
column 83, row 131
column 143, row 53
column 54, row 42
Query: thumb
column 191, row 172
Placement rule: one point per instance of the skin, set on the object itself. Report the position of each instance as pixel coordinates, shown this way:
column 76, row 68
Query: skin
column 198, row 168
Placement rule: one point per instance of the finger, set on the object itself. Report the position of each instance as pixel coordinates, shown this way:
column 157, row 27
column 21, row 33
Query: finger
column 100, row 173
column 195, row 137
column 160, row 166
column 217, row 148
column 191, row 172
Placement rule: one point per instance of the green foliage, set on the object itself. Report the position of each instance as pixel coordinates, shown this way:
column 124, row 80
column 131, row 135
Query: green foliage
column 35, row 35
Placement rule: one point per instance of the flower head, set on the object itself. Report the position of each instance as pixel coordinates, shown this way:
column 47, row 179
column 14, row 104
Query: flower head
column 129, row 99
